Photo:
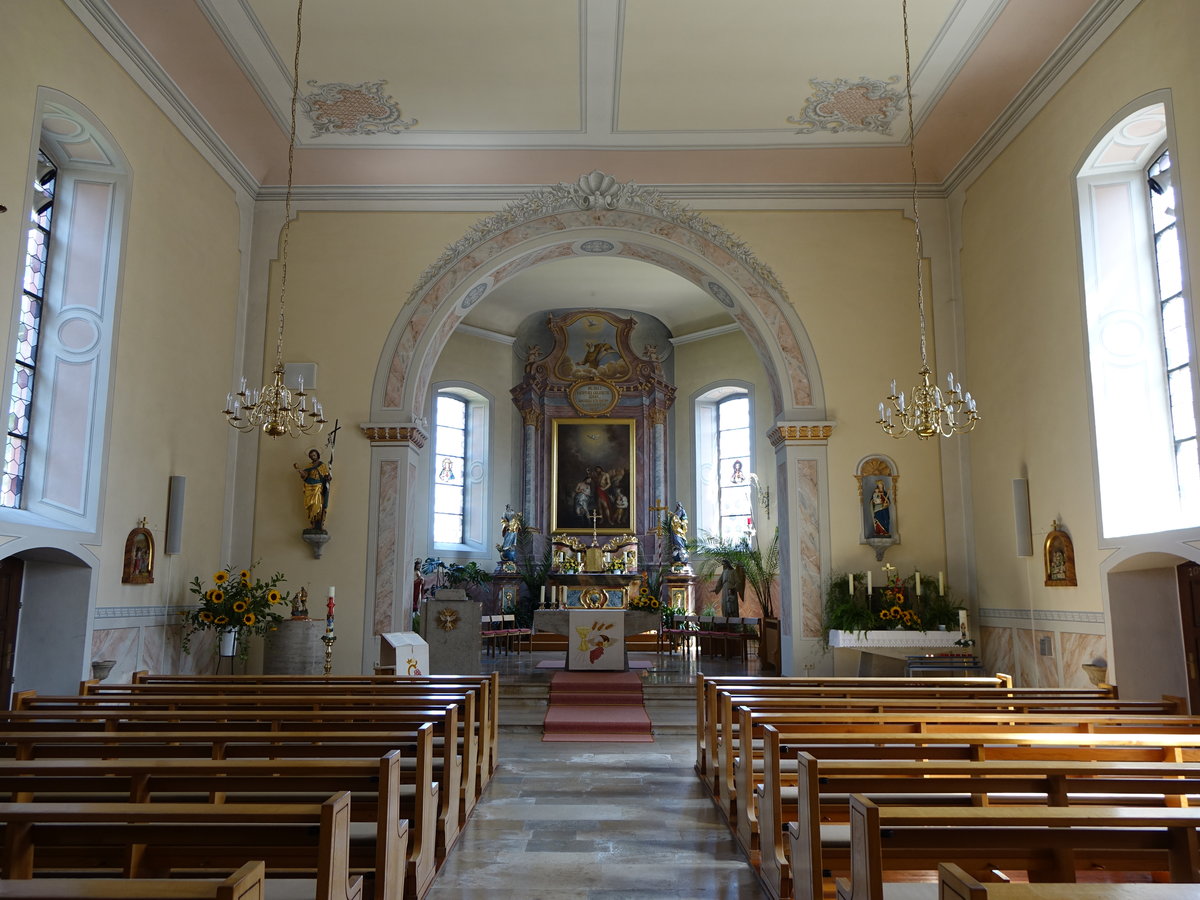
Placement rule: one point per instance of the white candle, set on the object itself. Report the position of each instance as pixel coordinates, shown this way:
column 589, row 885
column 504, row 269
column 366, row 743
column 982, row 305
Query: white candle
column 941, row 584
column 850, row 577
column 542, row 598
column 331, row 592
column 917, row 581
column 868, row 582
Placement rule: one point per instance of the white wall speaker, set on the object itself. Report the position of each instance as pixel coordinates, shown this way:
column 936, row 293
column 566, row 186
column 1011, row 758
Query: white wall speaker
column 1021, row 517
column 176, row 486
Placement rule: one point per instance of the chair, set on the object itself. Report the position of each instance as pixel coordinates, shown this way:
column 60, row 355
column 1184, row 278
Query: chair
column 681, row 635
column 707, row 627
column 492, row 632
column 512, row 634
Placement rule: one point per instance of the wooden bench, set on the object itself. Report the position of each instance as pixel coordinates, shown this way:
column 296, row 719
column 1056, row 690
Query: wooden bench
column 1048, row 842
column 819, row 801
column 487, row 688
column 737, row 801
column 316, row 753
column 469, row 742
column 782, row 747
column 244, row 884
column 162, row 839
column 955, row 884
column 731, row 713
column 396, row 724
column 380, row 798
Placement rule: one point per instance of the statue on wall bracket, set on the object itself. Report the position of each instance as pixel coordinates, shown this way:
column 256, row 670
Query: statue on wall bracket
column 878, row 484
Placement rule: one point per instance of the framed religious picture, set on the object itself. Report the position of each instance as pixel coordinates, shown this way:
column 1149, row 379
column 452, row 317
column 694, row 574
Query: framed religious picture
column 138, row 567
column 592, row 476
column 1059, row 555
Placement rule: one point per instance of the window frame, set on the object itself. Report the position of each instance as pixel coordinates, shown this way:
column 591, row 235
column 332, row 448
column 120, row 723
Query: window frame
column 476, row 481
column 706, row 406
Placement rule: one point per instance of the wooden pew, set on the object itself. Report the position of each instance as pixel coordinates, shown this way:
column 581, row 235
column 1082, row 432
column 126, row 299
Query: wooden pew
column 244, row 884
column 781, row 747
column 396, row 724
column 316, row 753
column 379, row 797
column 486, row 686
column 739, row 774
column 320, row 703
column 956, row 884
column 159, row 839
column 706, row 684
column 1048, row 842
column 731, row 714
column 820, row 799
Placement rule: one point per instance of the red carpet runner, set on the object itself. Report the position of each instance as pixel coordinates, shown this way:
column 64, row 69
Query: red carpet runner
column 596, row 706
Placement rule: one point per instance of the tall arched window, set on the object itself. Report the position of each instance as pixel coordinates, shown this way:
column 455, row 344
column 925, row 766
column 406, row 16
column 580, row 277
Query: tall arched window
column 56, row 423
column 459, row 469
column 1140, row 334
column 724, row 451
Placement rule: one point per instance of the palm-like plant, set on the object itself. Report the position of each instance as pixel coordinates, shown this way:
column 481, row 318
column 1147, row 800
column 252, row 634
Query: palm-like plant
column 761, row 567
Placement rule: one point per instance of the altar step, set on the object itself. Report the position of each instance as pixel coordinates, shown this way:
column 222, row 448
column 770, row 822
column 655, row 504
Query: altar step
column 671, row 707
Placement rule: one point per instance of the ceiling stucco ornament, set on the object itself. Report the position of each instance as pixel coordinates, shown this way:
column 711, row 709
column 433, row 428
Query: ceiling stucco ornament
column 840, row 105
column 338, row 108
column 598, row 192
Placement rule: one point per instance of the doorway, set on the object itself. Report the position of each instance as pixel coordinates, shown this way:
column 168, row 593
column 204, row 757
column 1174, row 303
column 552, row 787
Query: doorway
column 11, row 573
column 1189, row 613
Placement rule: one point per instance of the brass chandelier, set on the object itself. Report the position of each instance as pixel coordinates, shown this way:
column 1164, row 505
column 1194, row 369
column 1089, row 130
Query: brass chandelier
column 274, row 408
column 930, row 409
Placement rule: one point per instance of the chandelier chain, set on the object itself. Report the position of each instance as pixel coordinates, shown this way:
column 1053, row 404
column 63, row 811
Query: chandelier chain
column 912, row 162
column 287, row 194
column 277, row 409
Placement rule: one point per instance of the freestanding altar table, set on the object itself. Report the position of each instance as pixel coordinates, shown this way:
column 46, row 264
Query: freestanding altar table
column 558, row 621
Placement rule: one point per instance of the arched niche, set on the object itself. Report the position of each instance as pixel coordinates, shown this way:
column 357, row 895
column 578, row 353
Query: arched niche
column 598, row 216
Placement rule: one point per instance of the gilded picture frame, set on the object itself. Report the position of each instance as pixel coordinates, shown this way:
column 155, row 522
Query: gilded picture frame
column 593, row 467
column 1059, row 558
column 138, row 566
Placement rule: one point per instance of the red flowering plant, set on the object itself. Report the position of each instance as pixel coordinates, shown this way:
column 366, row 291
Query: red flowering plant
column 238, row 601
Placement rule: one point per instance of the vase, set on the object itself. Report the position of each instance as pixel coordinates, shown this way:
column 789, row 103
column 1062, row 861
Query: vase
column 228, row 642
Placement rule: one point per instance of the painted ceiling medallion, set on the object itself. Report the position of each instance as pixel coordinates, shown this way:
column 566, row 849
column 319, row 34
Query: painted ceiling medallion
column 353, row 109
column 835, row 106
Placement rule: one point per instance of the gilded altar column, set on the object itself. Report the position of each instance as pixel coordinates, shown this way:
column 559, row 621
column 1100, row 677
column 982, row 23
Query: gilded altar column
column 657, row 418
column 801, row 484
column 532, row 421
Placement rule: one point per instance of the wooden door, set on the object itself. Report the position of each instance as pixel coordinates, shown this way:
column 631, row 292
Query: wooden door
column 1189, row 602
column 11, row 570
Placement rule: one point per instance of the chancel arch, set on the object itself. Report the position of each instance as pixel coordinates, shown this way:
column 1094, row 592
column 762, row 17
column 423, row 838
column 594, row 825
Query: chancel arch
column 599, row 217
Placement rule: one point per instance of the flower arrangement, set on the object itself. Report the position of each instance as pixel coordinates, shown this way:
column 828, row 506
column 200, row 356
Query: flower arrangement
column 893, row 612
column 645, row 601
column 237, row 601
column 895, row 605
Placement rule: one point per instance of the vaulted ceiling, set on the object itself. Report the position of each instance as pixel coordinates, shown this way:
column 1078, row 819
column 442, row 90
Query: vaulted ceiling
column 478, row 92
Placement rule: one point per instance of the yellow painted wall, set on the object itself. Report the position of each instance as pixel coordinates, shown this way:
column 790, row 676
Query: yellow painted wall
column 1023, row 305
column 178, row 297
column 848, row 275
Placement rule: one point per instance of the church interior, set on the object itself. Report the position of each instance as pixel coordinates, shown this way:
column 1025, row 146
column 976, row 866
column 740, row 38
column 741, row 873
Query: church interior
column 645, row 275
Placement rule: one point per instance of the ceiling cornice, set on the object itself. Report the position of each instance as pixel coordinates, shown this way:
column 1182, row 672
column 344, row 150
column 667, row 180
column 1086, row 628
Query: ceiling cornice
column 1100, row 22
column 106, row 26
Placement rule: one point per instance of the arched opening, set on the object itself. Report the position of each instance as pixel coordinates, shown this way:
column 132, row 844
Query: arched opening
column 599, row 218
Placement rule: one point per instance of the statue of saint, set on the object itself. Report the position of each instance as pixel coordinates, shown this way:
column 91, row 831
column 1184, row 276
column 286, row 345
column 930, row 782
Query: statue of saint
column 510, row 529
column 300, row 604
column 315, row 478
column 731, row 585
column 679, row 527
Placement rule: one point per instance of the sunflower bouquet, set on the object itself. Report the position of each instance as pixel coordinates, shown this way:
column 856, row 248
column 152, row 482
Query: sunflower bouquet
column 645, row 601
column 894, row 612
column 237, row 601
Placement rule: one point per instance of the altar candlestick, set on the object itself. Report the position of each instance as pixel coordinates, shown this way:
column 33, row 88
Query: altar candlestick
column 941, row 584
column 850, row 577
column 868, row 582
column 542, row 597
column 917, row 581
